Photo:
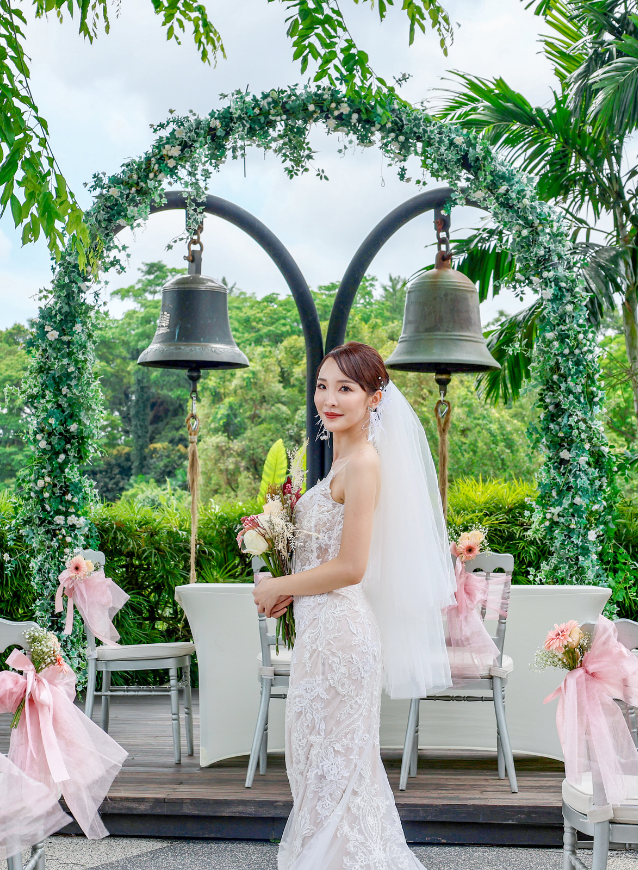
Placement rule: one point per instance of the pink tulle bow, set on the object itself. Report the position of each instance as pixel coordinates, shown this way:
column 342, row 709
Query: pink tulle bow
column 97, row 599
column 471, row 650
column 56, row 744
column 39, row 701
column 29, row 811
column 591, row 727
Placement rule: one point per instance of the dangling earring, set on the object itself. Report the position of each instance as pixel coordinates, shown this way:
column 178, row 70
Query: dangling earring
column 322, row 434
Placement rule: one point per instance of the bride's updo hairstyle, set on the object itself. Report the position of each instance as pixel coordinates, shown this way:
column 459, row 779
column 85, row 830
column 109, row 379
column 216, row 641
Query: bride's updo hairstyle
column 362, row 364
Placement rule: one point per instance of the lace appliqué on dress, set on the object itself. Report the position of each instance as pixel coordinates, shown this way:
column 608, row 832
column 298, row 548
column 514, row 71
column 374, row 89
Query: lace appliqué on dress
column 344, row 816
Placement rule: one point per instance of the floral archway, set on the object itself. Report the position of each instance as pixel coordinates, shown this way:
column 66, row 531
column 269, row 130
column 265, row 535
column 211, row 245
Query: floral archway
column 574, row 509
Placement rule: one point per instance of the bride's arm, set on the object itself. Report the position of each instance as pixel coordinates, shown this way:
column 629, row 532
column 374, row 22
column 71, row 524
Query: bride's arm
column 361, row 482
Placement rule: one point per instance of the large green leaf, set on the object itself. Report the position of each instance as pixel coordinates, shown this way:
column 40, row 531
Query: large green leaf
column 511, row 344
column 275, row 469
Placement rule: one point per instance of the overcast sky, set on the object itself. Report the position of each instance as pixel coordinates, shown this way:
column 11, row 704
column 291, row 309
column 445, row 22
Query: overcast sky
column 100, row 100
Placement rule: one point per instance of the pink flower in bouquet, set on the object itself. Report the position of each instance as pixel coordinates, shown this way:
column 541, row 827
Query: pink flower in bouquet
column 77, row 566
column 61, row 665
column 567, row 634
column 287, row 487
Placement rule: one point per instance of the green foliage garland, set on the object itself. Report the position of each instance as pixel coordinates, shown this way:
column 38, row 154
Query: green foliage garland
column 573, row 511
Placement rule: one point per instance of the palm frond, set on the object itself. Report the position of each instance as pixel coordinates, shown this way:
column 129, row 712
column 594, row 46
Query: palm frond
column 616, row 86
column 511, row 344
column 568, row 157
column 484, row 258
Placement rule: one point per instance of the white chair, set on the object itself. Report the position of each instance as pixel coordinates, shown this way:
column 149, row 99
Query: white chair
column 274, row 677
column 622, row 828
column 12, row 634
column 35, row 862
column 140, row 657
column 494, row 681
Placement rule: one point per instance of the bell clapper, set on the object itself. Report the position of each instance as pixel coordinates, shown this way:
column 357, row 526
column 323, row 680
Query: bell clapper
column 443, row 414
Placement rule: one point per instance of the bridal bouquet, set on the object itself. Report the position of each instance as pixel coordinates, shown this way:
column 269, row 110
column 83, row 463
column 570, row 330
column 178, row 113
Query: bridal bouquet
column 564, row 647
column 45, row 651
column 273, row 535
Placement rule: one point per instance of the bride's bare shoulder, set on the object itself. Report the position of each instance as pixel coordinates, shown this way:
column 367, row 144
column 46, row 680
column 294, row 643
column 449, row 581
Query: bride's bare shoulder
column 364, row 462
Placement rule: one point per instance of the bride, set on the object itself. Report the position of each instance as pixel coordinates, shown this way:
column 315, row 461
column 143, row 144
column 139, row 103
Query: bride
column 372, row 572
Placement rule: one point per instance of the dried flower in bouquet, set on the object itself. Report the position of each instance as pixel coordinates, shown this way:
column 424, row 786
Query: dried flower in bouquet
column 273, row 535
column 45, row 651
column 564, row 647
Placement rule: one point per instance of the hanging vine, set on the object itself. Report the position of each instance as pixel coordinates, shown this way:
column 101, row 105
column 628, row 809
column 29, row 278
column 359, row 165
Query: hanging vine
column 573, row 510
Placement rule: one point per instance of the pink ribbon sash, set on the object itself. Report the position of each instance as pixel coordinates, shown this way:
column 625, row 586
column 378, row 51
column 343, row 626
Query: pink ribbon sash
column 471, row 650
column 29, row 810
column 38, row 699
column 97, row 599
column 56, row 744
column 591, row 727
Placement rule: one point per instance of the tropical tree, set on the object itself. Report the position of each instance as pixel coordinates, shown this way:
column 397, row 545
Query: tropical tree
column 32, row 184
column 577, row 145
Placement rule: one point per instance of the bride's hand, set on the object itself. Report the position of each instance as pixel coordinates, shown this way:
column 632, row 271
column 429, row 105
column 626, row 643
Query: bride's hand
column 281, row 606
column 268, row 598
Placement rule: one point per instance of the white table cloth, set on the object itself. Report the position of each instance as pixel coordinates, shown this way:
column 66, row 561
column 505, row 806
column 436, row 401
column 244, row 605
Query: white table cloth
column 223, row 620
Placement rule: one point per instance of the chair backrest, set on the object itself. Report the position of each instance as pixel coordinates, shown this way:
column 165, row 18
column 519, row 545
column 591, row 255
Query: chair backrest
column 95, row 556
column 98, row 559
column 626, row 628
column 12, row 634
column 267, row 641
column 628, row 637
column 498, row 595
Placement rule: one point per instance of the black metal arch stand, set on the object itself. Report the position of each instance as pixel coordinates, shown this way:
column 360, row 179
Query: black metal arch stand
column 298, row 286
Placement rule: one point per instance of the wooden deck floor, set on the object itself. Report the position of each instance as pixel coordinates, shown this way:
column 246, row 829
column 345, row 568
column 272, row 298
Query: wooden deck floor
column 456, row 797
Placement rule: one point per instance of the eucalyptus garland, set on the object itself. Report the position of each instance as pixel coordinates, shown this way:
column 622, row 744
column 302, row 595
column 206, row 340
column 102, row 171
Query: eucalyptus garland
column 573, row 511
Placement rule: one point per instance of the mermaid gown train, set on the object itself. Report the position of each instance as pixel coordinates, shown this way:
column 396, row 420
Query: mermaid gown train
column 344, row 816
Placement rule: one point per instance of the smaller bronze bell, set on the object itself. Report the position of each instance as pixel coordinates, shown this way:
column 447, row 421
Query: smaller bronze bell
column 442, row 325
column 193, row 330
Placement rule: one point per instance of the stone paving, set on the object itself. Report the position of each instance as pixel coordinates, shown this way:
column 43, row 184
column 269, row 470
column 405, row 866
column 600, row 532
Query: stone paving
column 120, row 853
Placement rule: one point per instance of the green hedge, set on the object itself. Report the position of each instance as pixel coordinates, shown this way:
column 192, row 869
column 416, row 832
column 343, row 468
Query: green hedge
column 147, row 552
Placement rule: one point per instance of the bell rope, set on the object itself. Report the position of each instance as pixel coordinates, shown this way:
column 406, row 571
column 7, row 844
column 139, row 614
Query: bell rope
column 192, row 426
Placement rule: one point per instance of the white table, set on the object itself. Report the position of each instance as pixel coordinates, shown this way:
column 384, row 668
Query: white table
column 223, row 620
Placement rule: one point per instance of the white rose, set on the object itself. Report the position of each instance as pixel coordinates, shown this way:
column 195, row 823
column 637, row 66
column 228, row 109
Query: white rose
column 592, row 535
column 273, row 507
column 254, row 543
column 565, row 454
column 40, row 484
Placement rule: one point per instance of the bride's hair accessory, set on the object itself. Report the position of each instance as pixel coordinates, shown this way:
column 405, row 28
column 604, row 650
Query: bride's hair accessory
column 322, row 434
column 375, row 424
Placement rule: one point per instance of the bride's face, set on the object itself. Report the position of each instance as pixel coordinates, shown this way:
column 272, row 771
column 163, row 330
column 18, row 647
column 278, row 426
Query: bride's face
column 341, row 402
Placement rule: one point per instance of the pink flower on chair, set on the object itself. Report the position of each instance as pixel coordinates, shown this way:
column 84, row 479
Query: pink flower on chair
column 564, row 635
column 77, row 567
column 468, row 545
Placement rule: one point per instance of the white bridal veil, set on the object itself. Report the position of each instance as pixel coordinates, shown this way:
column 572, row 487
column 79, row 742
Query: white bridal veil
column 410, row 575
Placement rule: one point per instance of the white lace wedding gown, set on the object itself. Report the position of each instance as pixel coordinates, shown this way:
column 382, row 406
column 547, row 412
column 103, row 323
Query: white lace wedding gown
column 344, row 816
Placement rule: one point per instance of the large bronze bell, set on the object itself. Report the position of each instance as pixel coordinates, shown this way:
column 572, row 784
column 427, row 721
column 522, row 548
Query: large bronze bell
column 442, row 325
column 193, row 330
